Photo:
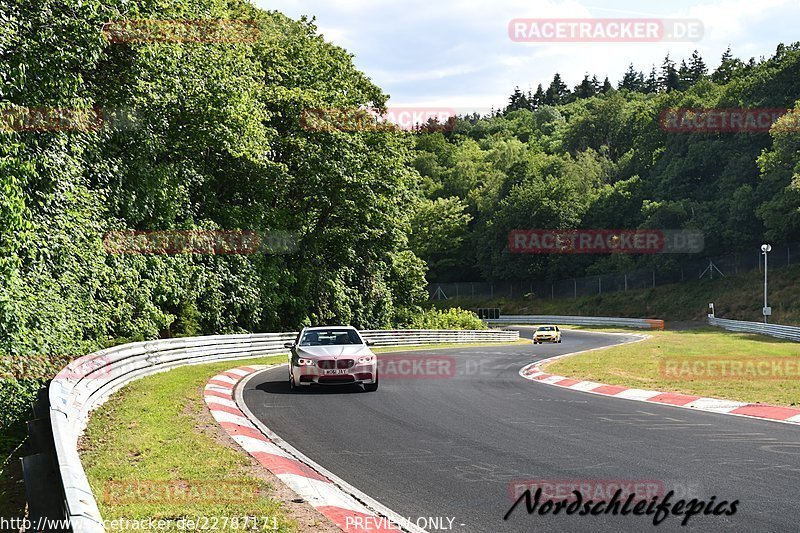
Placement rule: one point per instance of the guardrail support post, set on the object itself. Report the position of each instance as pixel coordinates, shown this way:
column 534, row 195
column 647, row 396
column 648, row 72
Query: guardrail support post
column 42, row 489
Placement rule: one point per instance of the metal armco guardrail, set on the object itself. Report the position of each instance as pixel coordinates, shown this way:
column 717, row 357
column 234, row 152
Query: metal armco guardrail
column 418, row 337
column 773, row 330
column 643, row 323
column 87, row 382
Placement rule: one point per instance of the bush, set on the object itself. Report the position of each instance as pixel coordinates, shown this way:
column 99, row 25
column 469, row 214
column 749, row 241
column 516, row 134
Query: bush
column 17, row 397
column 453, row 318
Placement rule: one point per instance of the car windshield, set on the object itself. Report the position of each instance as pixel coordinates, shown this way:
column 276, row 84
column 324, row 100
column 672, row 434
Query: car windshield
column 326, row 337
column 547, row 328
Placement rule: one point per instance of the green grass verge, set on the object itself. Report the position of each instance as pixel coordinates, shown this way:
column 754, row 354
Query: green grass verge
column 641, row 365
column 149, row 431
column 735, row 297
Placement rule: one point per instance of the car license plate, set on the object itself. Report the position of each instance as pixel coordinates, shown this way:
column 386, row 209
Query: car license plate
column 336, row 371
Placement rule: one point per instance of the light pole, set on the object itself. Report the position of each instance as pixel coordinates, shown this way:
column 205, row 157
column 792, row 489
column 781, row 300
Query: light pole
column 766, row 248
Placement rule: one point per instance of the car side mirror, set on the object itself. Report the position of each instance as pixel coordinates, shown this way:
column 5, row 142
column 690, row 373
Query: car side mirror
column 289, row 345
column 370, row 343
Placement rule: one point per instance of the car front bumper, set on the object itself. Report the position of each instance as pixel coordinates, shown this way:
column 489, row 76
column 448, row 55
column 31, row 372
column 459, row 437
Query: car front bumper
column 311, row 375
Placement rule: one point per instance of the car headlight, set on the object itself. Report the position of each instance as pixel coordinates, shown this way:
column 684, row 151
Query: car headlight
column 366, row 360
column 305, row 362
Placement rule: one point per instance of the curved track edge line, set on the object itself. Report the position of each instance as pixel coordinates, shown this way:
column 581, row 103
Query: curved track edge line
column 772, row 413
column 347, row 507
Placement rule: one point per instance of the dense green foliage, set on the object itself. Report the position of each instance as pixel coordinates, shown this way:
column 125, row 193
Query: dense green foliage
column 452, row 318
column 196, row 135
column 598, row 157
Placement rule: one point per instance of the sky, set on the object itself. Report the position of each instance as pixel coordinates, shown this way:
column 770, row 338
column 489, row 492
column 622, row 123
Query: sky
column 457, row 54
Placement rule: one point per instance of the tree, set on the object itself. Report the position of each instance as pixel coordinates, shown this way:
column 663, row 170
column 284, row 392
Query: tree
column 780, row 181
column 557, row 92
column 585, row 89
column 697, row 67
column 539, row 98
column 599, row 125
column 611, row 153
column 438, row 229
column 606, row 86
column 727, row 69
column 684, row 76
column 517, row 100
column 632, row 80
column 652, row 84
column 691, row 73
column 198, row 115
column 668, row 80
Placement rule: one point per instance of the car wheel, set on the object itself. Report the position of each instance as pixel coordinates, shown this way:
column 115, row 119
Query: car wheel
column 371, row 387
column 559, row 341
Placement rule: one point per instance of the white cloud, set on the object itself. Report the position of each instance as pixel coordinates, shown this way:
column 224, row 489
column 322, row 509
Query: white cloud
column 458, row 54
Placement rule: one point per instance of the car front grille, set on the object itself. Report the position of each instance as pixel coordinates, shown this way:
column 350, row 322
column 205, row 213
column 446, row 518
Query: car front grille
column 330, row 364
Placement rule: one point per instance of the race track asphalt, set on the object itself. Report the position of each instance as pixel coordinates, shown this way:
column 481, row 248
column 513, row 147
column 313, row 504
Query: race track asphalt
column 454, row 446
